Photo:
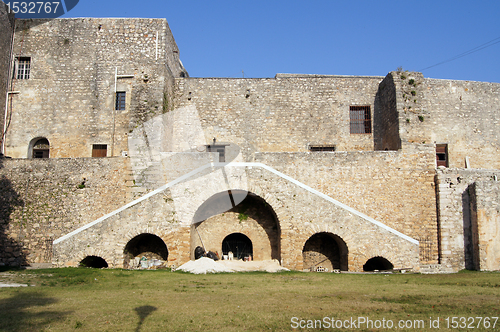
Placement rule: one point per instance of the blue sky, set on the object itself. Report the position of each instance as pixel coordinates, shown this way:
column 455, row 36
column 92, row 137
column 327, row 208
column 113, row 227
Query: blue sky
column 219, row 38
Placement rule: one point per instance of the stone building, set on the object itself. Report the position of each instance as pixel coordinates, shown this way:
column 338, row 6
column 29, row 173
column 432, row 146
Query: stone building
column 113, row 152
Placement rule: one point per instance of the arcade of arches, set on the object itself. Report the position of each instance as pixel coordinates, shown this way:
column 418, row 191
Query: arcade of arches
column 248, row 230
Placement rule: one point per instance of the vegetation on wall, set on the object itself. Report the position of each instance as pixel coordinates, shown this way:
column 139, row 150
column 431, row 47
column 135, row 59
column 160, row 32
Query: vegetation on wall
column 411, row 98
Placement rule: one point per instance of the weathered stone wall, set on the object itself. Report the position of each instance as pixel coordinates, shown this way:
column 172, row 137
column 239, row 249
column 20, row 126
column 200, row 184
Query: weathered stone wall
column 462, row 114
column 396, row 188
column 70, row 95
column 283, row 114
column 6, row 32
column 44, row 199
column 454, row 214
column 485, row 222
column 301, row 213
column 108, row 239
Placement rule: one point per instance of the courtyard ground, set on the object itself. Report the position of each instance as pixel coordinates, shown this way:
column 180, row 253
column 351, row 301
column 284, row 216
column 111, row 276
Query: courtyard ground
column 83, row 299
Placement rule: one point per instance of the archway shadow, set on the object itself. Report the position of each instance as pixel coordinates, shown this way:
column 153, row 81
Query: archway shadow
column 15, row 312
column 143, row 313
column 247, row 205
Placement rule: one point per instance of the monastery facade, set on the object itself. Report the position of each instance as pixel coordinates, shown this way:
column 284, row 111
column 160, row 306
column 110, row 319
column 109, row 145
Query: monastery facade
column 111, row 152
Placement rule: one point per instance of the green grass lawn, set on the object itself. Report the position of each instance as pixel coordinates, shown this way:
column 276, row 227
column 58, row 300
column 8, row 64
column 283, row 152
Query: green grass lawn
column 119, row 300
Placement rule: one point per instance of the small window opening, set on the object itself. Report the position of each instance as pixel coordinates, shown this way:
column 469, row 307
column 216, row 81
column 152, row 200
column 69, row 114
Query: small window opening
column 321, row 148
column 22, row 68
column 41, row 148
column 120, row 101
column 360, row 120
column 442, row 155
column 99, row 150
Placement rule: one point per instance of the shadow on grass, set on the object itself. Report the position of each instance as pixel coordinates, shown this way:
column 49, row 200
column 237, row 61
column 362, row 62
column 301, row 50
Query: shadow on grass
column 20, row 312
column 143, row 312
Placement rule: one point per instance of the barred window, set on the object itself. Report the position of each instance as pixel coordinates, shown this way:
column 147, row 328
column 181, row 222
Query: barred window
column 99, row 150
column 23, row 68
column 360, row 120
column 120, row 101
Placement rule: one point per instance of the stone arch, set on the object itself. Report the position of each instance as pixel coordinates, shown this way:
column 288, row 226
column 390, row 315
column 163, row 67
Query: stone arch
column 239, row 244
column 145, row 244
column 325, row 251
column 95, row 252
column 39, row 147
column 237, row 211
column 94, row 262
column 377, row 263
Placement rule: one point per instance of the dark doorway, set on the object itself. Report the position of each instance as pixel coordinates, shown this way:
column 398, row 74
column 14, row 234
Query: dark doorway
column 95, row 262
column 325, row 252
column 239, row 244
column 377, row 264
column 41, row 148
column 148, row 245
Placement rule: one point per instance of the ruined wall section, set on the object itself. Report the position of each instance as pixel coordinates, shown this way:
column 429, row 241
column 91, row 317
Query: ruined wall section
column 7, row 22
column 485, row 222
column 462, row 114
column 465, row 115
column 70, row 95
column 393, row 187
column 286, row 113
column 43, row 199
column 454, row 214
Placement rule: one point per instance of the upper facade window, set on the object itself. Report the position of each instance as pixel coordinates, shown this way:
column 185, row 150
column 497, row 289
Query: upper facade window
column 120, row 101
column 23, row 67
column 360, row 120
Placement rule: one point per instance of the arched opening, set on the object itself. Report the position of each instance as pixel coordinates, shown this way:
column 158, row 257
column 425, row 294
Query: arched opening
column 239, row 245
column 377, row 264
column 145, row 247
column 39, row 148
column 325, row 252
column 95, row 262
column 237, row 212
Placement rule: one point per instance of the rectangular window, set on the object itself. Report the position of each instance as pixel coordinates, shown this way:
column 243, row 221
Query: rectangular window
column 99, row 150
column 120, row 101
column 442, row 155
column 23, row 67
column 321, row 148
column 360, row 120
